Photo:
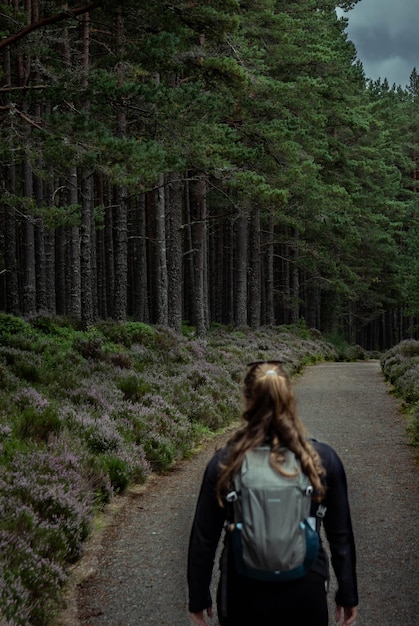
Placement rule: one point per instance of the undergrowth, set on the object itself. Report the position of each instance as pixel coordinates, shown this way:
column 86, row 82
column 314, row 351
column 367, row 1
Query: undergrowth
column 84, row 415
column 401, row 368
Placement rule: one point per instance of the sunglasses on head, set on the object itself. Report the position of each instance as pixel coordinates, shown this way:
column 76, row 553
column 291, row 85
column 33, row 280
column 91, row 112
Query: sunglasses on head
column 270, row 361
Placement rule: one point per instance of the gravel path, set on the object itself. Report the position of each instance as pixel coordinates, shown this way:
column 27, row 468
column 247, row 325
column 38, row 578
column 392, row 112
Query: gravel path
column 134, row 569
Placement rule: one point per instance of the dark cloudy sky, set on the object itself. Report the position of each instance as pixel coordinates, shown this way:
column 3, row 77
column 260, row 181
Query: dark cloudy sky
column 386, row 36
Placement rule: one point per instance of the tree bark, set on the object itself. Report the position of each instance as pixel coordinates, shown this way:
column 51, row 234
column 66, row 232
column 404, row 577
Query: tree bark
column 121, row 254
column 295, row 289
column 46, row 21
column 10, row 250
column 74, row 304
column 40, row 259
column 87, row 308
column 160, row 256
column 198, row 204
column 175, row 191
column 121, row 218
column 74, row 287
column 189, row 279
column 29, row 285
column 109, row 260
column 254, row 270
column 241, row 269
column 269, row 273
column 50, row 255
column 87, row 225
column 139, row 262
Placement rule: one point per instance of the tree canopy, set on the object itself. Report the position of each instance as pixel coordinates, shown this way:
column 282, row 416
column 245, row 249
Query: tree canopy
column 205, row 162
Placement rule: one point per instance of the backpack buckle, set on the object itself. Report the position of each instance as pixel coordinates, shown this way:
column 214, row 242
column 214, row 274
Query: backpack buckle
column 321, row 511
column 232, row 496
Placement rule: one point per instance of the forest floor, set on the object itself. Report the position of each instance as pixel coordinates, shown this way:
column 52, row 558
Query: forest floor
column 134, row 570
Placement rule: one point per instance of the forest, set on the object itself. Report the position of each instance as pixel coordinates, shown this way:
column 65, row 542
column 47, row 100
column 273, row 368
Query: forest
column 222, row 162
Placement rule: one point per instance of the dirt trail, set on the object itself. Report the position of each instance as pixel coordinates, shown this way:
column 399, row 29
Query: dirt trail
column 135, row 574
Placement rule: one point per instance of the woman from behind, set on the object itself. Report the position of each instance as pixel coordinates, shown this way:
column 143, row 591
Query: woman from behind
column 270, row 419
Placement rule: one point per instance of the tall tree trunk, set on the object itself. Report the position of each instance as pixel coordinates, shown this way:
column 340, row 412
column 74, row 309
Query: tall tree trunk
column 50, row 255
column 121, row 254
column 286, row 284
column 313, row 307
column 87, row 305
column 38, row 187
column 241, row 269
column 101, row 255
column 74, row 303
column 9, row 278
column 198, row 205
column 295, row 281
column 29, row 280
column 87, row 308
column 121, row 218
column 10, row 246
column 60, row 271
column 174, row 251
column 254, row 269
column 40, row 260
column 216, row 272
column 74, row 282
column 160, row 256
column 269, row 273
column 230, row 282
column 189, row 278
column 29, row 284
column 10, row 249
column 139, row 263
column 109, row 250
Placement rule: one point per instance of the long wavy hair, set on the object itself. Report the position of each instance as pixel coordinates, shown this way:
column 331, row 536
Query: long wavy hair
column 270, row 416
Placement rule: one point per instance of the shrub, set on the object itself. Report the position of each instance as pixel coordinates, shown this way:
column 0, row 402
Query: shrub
column 30, row 584
column 29, row 397
column 356, row 353
column 8, row 380
column 120, row 359
column 122, row 398
column 407, row 384
column 37, row 425
column 409, row 348
column 59, row 324
column 89, row 345
column 125, row 466
column 45, row 510
column 45, row 324
column 413, row 427
column 400, row 366
column 127, row 334
column 160, row 451
column 96, row 475
column 10, row 326
column 23, row 364
column 102, row 435
column 119, row 473
column 134, row 388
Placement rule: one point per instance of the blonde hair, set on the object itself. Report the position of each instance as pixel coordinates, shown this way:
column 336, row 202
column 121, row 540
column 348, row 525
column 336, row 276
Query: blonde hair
column 270, row 415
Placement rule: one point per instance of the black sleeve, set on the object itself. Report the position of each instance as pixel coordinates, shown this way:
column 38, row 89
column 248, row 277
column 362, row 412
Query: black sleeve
column 205, row 534
column 338, row 527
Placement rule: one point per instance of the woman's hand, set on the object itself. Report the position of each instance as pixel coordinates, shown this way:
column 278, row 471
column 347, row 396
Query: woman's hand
column 199, row 618
column 349, row 614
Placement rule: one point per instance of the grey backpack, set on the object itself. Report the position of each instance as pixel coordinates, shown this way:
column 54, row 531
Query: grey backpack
column 272, row 535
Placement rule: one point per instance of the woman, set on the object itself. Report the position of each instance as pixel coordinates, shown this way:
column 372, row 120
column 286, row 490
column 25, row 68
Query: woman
column 270, row 416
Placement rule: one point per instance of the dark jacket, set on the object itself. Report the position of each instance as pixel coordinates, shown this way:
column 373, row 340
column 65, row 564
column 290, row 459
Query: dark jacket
column 210, row 517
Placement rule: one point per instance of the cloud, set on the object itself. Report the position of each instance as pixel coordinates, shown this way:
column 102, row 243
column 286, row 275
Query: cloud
column 384, row 33
column 396, row 69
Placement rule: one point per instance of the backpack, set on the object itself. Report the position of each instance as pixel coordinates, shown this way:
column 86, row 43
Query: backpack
column 273, row 537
